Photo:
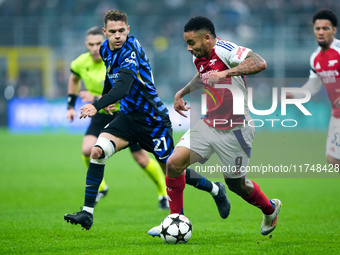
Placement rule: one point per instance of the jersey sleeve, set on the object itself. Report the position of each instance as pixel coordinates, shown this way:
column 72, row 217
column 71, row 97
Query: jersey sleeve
column 312, row 72
column 107, row 85
column 231, row 54
column 129, row 60
column 74, row 67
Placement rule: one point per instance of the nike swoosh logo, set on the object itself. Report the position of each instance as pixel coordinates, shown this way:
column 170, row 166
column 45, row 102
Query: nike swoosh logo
column 161, row 158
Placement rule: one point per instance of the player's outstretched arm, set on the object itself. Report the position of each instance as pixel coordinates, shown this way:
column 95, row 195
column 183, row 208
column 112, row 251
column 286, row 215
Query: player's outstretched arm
column 72, row 91
column 87, row 110
column 313, row 85
column 71, row 114
column 120, row 90
column 179, row 103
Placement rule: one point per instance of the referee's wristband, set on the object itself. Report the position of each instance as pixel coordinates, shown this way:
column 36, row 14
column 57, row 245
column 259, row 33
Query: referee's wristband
column 71, row 101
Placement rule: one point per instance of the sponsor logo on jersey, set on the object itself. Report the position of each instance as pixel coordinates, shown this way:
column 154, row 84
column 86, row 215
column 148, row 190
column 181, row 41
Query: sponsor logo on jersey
column 330, row 73
column 212, row 62
column 332, row 62
column 113, row 75
column 240, row 52
column 131, row 61
column 328, row 76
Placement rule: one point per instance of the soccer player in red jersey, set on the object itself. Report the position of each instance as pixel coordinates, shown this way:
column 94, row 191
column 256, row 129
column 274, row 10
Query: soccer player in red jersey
column 218, row 62
column 325, row 69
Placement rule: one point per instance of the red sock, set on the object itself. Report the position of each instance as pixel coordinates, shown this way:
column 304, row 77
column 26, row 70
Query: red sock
column 174, row 188
column 260, row 200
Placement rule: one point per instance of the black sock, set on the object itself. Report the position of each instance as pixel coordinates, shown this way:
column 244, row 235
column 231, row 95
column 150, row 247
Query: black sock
column 198, row 181
column 94, row 177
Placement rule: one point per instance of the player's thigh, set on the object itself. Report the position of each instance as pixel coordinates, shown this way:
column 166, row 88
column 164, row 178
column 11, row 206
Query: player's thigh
column 119, row 143
column 106, row 145
column 333, row 139
column 98, row 122
column 197, row 141
column 88, row 142
column 140, row 156
column 157, row 140
column 119, row 131
column 233, row 149
column 333, row 161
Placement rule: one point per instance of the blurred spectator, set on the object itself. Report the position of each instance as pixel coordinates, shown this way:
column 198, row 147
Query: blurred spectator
column 266, row 26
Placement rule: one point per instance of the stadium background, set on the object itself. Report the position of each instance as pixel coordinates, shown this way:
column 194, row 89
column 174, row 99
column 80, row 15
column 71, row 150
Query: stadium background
column 42, row 176
column 39, row 39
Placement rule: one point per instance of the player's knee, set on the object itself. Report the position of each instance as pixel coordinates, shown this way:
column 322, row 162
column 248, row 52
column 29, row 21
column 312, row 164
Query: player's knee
column 96, row 152
column 174, row 165
column 87, row 151
column 102, row 150
column 333, row 161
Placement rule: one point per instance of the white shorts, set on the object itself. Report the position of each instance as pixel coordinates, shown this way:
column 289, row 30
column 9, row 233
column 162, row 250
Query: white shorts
column 232, row 146
column 333, row 138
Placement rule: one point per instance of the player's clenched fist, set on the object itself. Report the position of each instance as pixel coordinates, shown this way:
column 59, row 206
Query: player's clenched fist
column 215, row 77
column 87, row 110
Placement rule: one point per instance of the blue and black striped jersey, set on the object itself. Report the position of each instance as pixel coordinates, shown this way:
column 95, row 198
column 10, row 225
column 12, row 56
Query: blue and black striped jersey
column 143, row 97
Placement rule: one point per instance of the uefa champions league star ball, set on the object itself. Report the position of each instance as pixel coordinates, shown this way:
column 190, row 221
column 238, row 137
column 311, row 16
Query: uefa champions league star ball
column 176, row 228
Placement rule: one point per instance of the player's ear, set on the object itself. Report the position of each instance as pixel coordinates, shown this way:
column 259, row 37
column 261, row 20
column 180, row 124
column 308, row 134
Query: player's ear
column 104, row 31
column 207, row 37
column 85, row 42
column 334, row 30
column 128, row 29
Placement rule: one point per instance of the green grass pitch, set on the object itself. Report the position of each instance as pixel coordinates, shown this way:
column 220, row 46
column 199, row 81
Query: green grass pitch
column 42, row 177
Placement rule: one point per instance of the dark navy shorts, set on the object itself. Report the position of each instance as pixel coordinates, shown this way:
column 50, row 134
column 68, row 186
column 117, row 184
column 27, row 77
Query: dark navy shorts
column 154, row 137
column 97, row 124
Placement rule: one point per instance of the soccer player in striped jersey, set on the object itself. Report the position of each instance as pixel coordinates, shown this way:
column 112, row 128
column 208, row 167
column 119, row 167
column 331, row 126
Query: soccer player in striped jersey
column 218, row 62
column 90, row 68
column 142, row 118
column 325, row 69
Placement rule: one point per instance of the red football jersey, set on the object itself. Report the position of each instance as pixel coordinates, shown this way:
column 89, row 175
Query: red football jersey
column 224, row 55
column 326, row 66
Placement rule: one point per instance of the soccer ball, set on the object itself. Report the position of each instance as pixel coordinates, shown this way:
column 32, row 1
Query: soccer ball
column 176, row 228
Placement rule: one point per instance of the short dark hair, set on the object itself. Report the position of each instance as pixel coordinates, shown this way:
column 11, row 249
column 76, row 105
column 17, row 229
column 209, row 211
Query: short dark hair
column 95, row 31
column 200, row 23
column 115, row 15
column 326, row 14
